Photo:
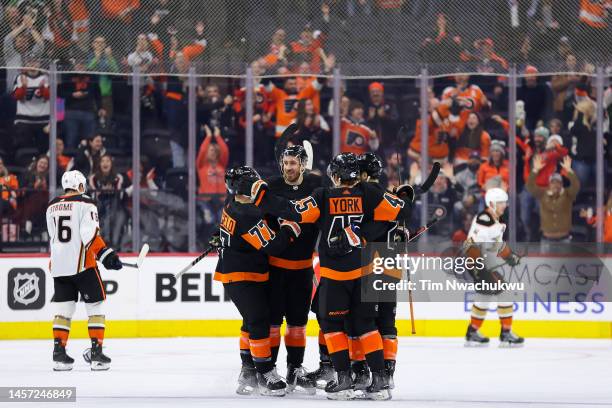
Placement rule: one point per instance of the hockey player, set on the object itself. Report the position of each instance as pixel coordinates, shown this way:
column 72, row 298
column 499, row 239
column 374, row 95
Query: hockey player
column 246, row 242
column 485, row 239
column 339, row 211
column 76, row 244
column 291, row 272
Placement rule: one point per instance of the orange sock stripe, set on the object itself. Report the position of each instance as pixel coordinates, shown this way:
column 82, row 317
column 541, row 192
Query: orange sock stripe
column 274, row 336
column 476, row 323
column 390, row 348
column 355, row 349
column 322, row 338
column 260, row 348
column 371, row 342
column 62, row 335
column 244, row 340
column 336, row 341
column 295, row 336
column 506, row 322
column 96, row 333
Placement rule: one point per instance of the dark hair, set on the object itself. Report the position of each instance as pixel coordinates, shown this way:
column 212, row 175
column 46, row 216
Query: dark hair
column 301, row 113
column 354, row 105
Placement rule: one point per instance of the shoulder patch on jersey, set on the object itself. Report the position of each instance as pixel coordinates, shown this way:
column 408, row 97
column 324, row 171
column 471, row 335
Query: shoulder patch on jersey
column 485, row 219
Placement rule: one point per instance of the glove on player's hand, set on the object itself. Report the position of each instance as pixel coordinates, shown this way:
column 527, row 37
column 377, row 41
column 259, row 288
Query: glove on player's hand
column 293, row 228
column 109, row 259
column 344, row 242
column 405, row 192
column 513, row 259
column 215, row 240
column 257, row 189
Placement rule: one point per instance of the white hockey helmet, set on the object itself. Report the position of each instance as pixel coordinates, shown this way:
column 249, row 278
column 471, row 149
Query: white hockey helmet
column 72, row 179
column 495, row 195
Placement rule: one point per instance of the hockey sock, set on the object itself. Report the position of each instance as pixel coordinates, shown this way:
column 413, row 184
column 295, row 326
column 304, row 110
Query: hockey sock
column 337, row 344
column 373, row 349
column 274, row 342
column 295, row 342
column 355, row 349
column 96, row 326
column 262, row 354
column 505, row 316
column 323, row 352
column 390, row 347
column 61, row 329
column 478, row 316
column 245, row 349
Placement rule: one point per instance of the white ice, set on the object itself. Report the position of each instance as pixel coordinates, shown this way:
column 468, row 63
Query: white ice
column 431, row 372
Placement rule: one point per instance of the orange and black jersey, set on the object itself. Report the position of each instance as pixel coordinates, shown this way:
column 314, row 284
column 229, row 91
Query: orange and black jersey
column 247, row 240
column 298, row 255
column 378, row 231
column 334, row 209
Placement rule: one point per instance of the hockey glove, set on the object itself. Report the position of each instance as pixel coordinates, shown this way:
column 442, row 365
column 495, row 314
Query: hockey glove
column 400, row 234
column 215, row 240
column 109, row 259
column 405, row 192
column 343, row 243
column 258, row 189
column 293, row 228
column 513, row 259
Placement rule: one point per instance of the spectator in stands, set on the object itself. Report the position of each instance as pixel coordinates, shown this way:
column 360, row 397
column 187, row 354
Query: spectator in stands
column 149, row 219
column 486, row 57
column 556, row 202
column 64, row 163
column 24, row 39
column 583, row 90
column 466, row 182
column 211, row 163
column 116, row 20
column 472, row 138
column 82, row 100
column 464, row 97
column 89, row 153
column 556, row 128
column 31, row 90
column 175, row 110
column 308, row 49
column 460, row 235
column 102, row 60
column 107, row 188
column 584, row 141
column 278, row 52
column 537, row 98
column 439, row 128
column 563, row 84
column 441, row 46
column 495, row 166
column 444, row 195
column 8, row 185
column 142, row 57
column 161, row 17
column 214, row 110
column 382, row 115
column 61, row 28
column 36, row 195
column 591, row 218
column 355, row 136
column 359, row 8
column 314, row 128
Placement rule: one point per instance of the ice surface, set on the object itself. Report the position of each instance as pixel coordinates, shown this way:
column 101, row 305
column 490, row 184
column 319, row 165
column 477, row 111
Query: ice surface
column 431, row 372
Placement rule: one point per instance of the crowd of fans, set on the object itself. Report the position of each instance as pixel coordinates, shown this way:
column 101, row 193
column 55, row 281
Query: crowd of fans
column 467, row 117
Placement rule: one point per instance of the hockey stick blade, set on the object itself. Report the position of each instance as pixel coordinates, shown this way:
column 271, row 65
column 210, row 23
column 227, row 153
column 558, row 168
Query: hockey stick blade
column 143, row 253
column 433, row 175
column 310, row 153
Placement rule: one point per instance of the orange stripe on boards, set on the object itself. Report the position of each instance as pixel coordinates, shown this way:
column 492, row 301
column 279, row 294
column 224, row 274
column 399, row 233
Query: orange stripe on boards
column 295, row 336
column 274, row 336
column 390, row 348
column 260, row 348
column 336, row 341
column 371, row 342
column 244, row 340
column 355, row 349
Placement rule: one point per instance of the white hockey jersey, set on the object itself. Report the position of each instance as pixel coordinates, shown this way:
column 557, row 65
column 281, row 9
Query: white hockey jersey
column 33, row 102
column 487, row 233
column 74, row 234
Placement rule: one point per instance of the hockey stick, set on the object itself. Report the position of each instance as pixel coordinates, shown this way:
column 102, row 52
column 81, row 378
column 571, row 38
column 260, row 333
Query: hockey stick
column 423, row 229
column 426, row 185
column 141, row 256
column 310, row 153
column 195, row 261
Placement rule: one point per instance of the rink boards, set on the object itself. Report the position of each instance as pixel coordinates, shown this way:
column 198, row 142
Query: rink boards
column 149, row 303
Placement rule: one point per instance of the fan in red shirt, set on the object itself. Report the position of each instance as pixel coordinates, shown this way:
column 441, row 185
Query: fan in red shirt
column 211, row 163
column 355, row 136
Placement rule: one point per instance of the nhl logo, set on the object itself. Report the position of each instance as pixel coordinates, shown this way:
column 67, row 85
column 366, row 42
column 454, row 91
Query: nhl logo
column 26, row 289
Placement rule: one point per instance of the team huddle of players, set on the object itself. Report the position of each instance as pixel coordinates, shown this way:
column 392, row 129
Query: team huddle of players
column 266, row 240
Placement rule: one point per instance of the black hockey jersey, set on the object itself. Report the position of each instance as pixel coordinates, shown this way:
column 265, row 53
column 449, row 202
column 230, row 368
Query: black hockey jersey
column 334, row 209
column 247, row 240
column 298, row 255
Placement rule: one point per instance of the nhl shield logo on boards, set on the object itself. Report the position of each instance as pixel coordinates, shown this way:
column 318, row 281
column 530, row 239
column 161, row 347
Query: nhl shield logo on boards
column 26, row 289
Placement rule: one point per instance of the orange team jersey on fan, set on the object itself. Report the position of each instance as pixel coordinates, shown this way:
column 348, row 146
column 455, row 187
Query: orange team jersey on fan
column 472, row 93
column 74, row 234
column 354, row 137
column 285, row 105
column 435, row 150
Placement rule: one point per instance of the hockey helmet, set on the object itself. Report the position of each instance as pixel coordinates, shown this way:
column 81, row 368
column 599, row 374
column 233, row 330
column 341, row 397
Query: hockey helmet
column 370, row 164
column 495, row 195
column 71, row 180
column 239, row 179
column 345, row 166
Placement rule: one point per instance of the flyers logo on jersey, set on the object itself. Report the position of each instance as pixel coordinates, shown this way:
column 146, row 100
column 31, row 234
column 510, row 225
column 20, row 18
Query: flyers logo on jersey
column 228, row 223
column 345, row 205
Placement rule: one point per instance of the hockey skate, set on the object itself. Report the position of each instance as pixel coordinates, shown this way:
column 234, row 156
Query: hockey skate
column 360, row 374
column 247, row 380
column 298, row 381
column 271, row 384
column 507, row 339
column 340, row 388
column 473, row 338
column 323, row 375
column 379, row 389
column 94, row 356
column 61, row 360
column 389, row 371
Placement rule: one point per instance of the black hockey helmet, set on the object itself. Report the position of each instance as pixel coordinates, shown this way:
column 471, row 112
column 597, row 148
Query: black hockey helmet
column 294, row 151
column 345, row 166
column 239, row 179
column 370, row 164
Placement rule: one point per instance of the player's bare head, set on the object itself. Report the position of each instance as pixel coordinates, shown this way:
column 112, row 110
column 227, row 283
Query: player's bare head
column 293, row 163
column 496, row 200
column 74, row 181
column 344, row 170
